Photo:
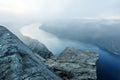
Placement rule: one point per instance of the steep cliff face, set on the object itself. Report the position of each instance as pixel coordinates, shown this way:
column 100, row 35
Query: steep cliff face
column 37, row 47
column 18, row 62
column 74, row 64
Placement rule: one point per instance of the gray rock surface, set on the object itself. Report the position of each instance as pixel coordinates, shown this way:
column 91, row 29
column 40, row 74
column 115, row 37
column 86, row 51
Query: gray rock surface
column 74, row 64
column 18, row 62
column 37, row 47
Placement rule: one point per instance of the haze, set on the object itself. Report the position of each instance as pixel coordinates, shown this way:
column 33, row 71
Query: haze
column 20, row 12
column 85, row 16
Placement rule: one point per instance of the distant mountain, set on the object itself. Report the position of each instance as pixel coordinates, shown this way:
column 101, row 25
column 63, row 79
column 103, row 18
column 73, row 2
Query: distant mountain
column 18, row 62
column 102, row 33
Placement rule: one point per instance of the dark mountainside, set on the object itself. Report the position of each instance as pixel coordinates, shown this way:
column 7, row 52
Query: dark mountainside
column 37, row 47
column 18, row 62
column 102, row 33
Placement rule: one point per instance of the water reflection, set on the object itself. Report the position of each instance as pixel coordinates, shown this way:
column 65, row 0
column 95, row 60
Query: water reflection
column 108, row 66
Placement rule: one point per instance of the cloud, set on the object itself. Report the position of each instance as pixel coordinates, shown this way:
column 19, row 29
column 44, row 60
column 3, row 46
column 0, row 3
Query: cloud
column 114, row 17
column 81, row 29
column 60, row 8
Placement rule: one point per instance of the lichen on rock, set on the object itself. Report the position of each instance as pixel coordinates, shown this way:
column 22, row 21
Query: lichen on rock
column 18, row 62
column 74, row 64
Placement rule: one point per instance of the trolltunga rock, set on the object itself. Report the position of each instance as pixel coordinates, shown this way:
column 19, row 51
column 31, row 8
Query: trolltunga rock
column 74, row 64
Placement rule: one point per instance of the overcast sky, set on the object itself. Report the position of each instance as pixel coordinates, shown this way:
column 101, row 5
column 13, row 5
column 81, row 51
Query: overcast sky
column 23, row 12
column 59, row 8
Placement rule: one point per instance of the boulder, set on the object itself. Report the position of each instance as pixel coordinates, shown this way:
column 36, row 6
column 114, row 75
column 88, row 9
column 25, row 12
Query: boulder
column 74, row 64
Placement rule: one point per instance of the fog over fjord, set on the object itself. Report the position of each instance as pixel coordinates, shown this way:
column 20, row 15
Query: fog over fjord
column 75, row 20
column 53, row 43
column 89, row 25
